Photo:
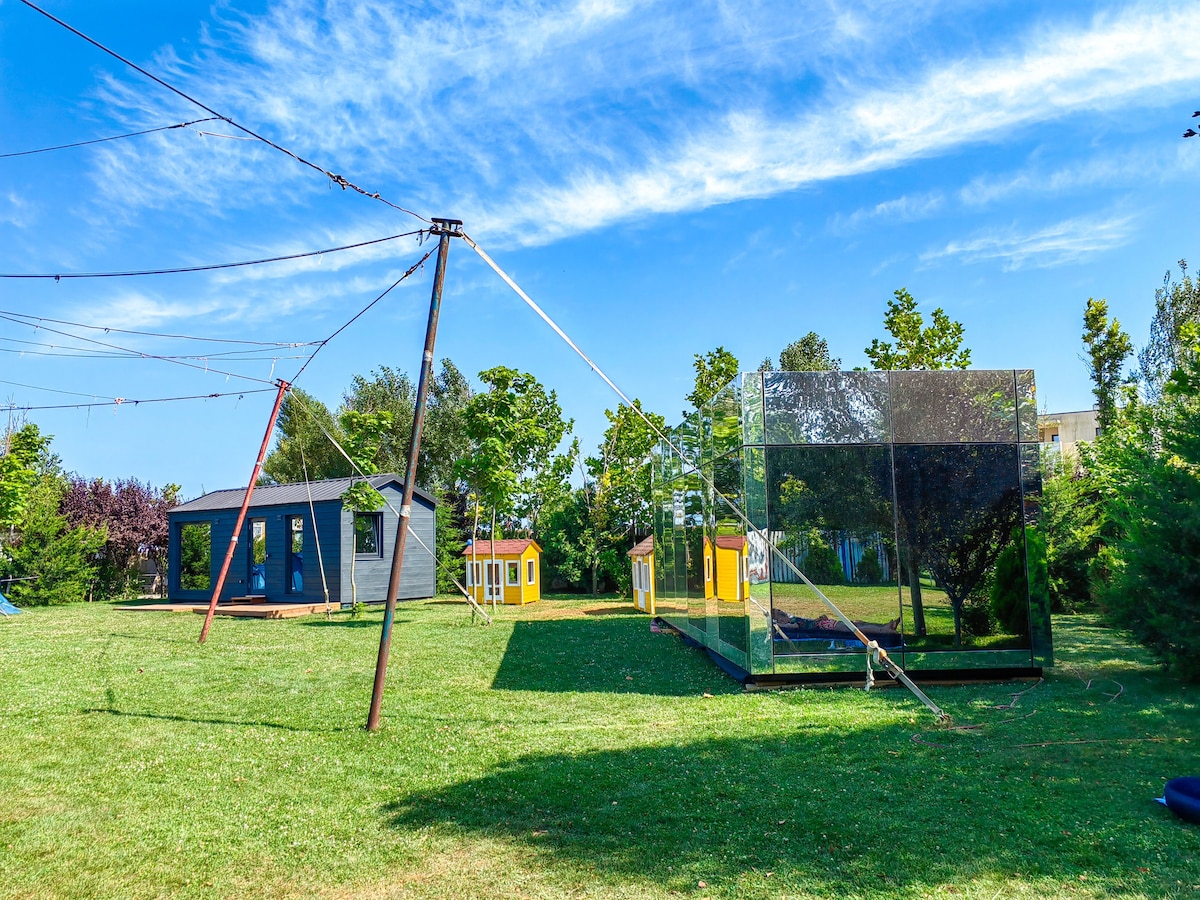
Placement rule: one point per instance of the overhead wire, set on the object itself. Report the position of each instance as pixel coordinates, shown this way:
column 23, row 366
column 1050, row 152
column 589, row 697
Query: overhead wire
column 333, row 177
column 133, row 401
column 875, row 653
column 115, row 137
column 139, row 353
column 321, row 344
column 185, row 337
column 60, row 276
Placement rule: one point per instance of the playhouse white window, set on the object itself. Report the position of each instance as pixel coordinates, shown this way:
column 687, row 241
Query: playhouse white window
column 529, row 569
column 514, row 574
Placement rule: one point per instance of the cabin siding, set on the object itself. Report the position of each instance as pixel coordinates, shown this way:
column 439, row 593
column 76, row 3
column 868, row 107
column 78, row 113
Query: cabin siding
column 333, row 528
column 418, row 579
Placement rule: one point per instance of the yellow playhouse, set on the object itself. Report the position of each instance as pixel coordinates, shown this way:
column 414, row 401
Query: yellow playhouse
column 506, row 571
column 642, row 557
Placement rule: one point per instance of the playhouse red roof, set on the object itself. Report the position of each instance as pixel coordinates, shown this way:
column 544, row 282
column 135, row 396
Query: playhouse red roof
column 642, row 548
column 504, row 546
column 731, row 541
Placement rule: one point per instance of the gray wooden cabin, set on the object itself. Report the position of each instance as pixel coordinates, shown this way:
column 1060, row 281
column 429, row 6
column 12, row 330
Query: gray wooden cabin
column 276, row 558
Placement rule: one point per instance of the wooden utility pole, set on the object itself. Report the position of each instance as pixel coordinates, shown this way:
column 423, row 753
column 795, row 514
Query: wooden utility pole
column 241, row 519
column 445, row 229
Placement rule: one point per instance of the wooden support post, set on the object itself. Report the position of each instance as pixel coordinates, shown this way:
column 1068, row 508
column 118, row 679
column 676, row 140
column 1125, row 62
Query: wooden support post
column 241, row 519
column 445, row 228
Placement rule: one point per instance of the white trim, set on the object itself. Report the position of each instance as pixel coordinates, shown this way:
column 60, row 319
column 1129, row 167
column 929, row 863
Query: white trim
column 512, row 573
column 530, row 572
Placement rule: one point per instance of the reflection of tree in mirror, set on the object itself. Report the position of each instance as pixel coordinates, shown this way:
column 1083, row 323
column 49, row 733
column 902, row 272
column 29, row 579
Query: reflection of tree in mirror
column 195, row 556
column 957, row 506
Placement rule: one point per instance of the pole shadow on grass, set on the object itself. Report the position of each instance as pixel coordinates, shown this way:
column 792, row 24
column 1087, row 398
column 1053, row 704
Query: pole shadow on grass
column 606, row 655
column 828, row 815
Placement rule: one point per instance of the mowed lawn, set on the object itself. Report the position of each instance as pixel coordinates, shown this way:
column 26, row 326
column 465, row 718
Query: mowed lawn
column 565, row 751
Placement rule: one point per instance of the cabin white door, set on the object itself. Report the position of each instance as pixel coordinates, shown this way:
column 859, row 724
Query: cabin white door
column 493, row 582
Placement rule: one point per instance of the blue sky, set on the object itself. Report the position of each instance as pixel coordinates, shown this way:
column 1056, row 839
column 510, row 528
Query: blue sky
column 661, row 177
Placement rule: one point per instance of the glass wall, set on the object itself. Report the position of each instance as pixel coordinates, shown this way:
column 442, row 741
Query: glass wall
column 907, row 499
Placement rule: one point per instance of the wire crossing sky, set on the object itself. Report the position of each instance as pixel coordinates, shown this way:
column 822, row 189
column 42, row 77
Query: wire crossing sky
column 662, row 179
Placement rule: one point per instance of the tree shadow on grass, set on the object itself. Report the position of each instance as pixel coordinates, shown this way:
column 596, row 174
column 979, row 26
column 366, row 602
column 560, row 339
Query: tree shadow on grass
column 828, row 814
column 609, row 655
column 196, row 720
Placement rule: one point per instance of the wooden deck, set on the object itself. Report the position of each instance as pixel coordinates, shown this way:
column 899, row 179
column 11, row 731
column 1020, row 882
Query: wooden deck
column 246, row 610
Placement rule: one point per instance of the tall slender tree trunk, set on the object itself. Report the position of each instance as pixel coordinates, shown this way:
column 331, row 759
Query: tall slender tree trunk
column 492, row 537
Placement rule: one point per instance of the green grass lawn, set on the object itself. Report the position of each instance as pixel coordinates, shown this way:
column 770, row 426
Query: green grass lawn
column 565, row 751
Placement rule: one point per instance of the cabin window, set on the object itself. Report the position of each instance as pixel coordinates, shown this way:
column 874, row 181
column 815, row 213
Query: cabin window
column 295, row 566
column 529, row 566
column 195, row 556
column 258, row 556
column 708, row 568
column 368, row 534
column 514, row 574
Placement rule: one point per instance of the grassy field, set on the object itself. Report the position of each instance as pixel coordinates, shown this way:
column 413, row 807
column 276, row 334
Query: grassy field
column 565, row 751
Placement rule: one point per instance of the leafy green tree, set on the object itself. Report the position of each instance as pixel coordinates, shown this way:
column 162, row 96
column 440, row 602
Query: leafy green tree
column 615, row 496
column 514, row 429
column 1152, row 581
column 52, row 562
column 302, row 447
column 917, row 345
column 1176, row 304
column 450, row 564
column 1071, row 522
column 442, row 438
column 19, row 472
column 809, row 354
column 1107, row 349
column 714, row 370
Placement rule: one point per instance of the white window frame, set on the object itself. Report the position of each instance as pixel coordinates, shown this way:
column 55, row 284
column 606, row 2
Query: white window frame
column 512, row 573
column 530, row 572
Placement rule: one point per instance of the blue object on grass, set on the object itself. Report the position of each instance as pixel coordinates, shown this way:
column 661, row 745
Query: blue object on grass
column 1182, row 797
column 7, row 608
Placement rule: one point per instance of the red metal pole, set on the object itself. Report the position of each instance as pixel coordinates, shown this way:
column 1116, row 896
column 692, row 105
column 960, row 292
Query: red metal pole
column 445, row 228
column 241, row 519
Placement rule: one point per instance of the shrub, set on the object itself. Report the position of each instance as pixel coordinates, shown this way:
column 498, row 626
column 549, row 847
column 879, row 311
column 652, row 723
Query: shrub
column 869, row 571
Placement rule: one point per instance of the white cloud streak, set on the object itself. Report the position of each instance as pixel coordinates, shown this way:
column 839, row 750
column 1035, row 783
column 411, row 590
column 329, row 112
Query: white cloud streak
column 1069, row 241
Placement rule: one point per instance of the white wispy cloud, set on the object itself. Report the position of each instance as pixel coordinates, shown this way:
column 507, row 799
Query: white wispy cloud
column 1068, row 241
column 15, row 210
column 906, row 208
column 1155, row 163
column 534, row 121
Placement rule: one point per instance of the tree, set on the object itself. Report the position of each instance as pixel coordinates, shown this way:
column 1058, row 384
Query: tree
column 50, row 561
column 714, row 370
column 1176, row 304
column 133, row 516
column 956, row 526
column 917, row 346
column 18, row 472
column 809, row 354
column 1152, row 582
column 514, row 428
column 1070, row 521
column 616, row 489
column 1107, row 349
column 303, row 448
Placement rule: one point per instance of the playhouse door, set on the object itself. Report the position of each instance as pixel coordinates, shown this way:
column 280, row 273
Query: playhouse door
column 493, row 582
